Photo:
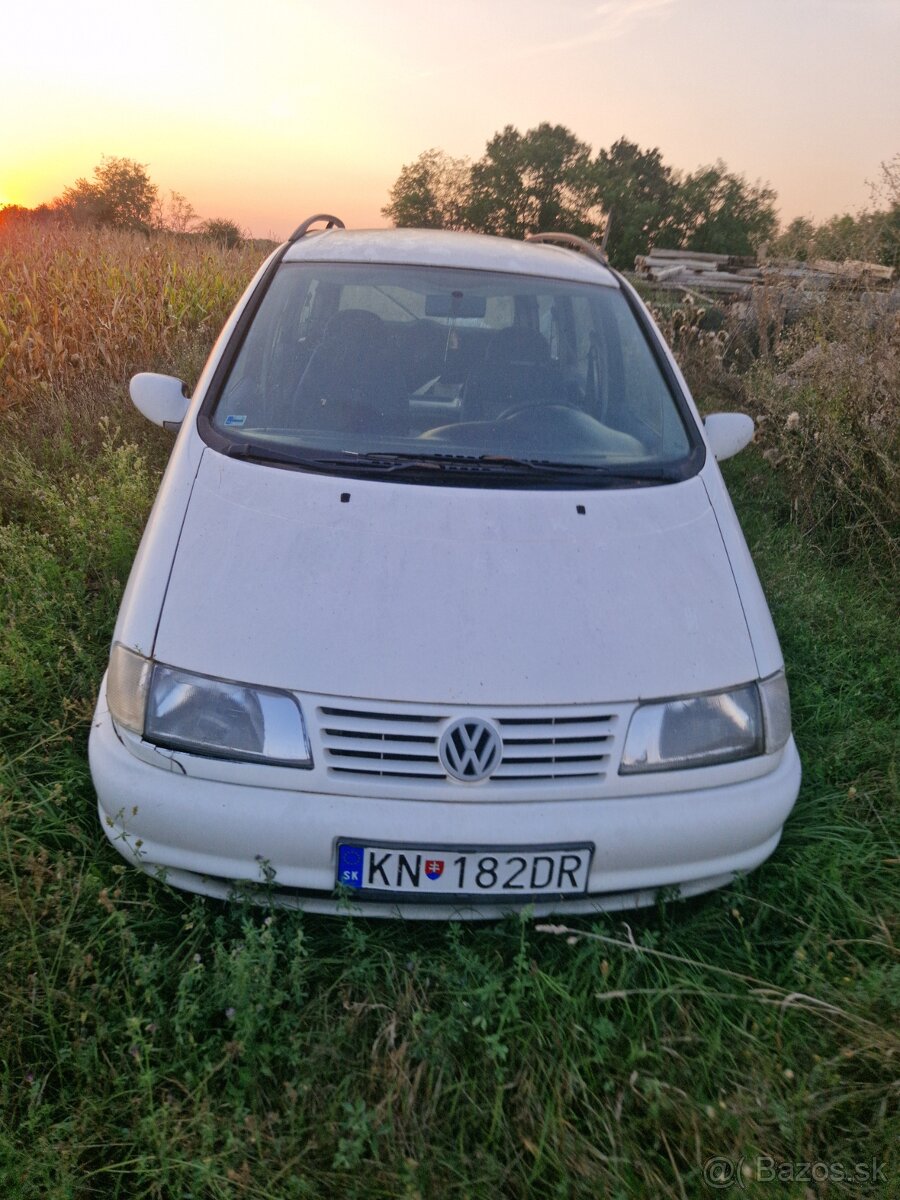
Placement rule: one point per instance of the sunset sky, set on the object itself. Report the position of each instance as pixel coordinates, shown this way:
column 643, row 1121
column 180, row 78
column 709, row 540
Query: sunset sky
column 265, row 112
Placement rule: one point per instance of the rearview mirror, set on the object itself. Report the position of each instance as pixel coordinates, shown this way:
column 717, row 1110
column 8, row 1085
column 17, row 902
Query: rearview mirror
column 162, row 399
column 728, row 433
column 455, row 304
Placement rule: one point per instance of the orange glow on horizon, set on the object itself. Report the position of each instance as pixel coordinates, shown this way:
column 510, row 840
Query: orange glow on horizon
column 10, row 194
column 322, row 116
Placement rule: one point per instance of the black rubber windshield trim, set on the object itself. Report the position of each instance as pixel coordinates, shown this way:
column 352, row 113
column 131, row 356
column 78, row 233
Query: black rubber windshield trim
column 205, row 427
column 696, row 458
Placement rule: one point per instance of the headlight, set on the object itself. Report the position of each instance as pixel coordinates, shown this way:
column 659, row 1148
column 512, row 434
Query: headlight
column 212, row 717
column 127, row 682
column 695, row 731
column 776, row 705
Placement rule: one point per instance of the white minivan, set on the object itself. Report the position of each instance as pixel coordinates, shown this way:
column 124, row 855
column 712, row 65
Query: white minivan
column 442, row 609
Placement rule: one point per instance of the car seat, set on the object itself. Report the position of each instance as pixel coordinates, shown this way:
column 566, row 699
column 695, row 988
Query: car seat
column 517, row 370
column 353, row 380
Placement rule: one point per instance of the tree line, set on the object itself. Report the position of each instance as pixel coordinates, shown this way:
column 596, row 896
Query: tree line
column 545, row 179
column 548, row 179
column 121, row 195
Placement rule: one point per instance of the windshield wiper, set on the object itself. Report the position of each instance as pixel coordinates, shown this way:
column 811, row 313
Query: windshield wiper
column 253, row 452
column 388, row 463
column 401, row 461
column 637, row 475
column 480, row 463
column 372, row 460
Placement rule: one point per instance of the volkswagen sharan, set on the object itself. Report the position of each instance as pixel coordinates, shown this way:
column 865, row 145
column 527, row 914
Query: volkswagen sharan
column 442, row 609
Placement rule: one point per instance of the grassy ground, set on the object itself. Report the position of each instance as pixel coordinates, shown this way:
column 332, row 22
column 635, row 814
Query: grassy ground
column 157, row 1045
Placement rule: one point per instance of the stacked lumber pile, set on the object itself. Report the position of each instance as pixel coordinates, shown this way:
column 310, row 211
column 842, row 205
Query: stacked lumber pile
column 735, row 274
column 730, row 273
column 823, row 273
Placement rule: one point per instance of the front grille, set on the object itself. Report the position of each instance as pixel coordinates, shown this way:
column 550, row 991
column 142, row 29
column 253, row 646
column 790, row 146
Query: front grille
column 358, row 742
column 555, row 747
column 403, row 744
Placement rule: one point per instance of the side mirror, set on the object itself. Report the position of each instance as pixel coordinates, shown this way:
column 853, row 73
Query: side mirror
column 162, row 399
column 728, row 433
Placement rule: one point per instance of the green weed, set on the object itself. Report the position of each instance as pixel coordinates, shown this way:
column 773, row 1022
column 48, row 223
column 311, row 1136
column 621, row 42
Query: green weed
column 156, row 1045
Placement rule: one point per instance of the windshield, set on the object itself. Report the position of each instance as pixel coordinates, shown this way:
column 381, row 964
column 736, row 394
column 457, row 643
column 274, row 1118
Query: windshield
column 426, row 369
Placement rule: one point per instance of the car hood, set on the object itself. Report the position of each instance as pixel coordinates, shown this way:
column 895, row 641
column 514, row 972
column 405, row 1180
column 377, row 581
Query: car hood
column 397, row 591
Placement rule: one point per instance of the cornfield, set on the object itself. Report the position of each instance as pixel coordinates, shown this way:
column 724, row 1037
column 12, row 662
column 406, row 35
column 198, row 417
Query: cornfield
column 78, row 306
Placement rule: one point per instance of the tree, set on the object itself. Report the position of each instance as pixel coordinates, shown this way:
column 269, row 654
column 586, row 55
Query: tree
column 721, row 213
column 13, row 214
column 872, row 235
column 223, row 230
column 120, row 195
column 176, row 215
column 431, row 193
column 637, row 191
column 889, row 240
column 797, row 241
column 16, row 216
column 544, row 180
column 537, row 181
column 885, row 194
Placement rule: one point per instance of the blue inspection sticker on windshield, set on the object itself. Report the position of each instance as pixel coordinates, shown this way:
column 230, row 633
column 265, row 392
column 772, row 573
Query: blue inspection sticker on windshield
column 234, row 419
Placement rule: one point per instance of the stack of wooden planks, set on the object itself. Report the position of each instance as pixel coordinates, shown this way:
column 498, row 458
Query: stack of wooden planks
column 851, row 271
column 735, row 274
column 732, row 273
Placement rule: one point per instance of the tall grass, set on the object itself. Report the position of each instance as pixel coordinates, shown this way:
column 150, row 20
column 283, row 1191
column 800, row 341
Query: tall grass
column 820, row 372
column 828, row 402
column 158, row 1045
column 83, row 310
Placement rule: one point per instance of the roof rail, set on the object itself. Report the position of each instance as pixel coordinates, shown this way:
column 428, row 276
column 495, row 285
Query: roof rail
column 332, row 223
column 571, row 242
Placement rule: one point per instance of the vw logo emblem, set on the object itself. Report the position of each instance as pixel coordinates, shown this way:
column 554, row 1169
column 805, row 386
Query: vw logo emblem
column 470, row 750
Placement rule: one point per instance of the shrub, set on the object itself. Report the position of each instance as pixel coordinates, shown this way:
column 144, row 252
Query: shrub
column 820, row 372
column 223, row 231
column 827, row 400
column 700, row 337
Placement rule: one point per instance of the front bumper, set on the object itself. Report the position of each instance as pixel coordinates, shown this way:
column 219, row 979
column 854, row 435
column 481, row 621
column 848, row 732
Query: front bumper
column 206, row 835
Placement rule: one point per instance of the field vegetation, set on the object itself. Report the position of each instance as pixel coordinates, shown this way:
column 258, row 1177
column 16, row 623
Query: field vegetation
column 157, row 1045
column 820, row 373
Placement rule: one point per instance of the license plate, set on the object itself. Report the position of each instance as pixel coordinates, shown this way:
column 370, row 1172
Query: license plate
column 515, row 871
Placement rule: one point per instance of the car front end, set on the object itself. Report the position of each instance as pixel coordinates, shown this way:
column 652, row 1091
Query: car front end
column 443, row 609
